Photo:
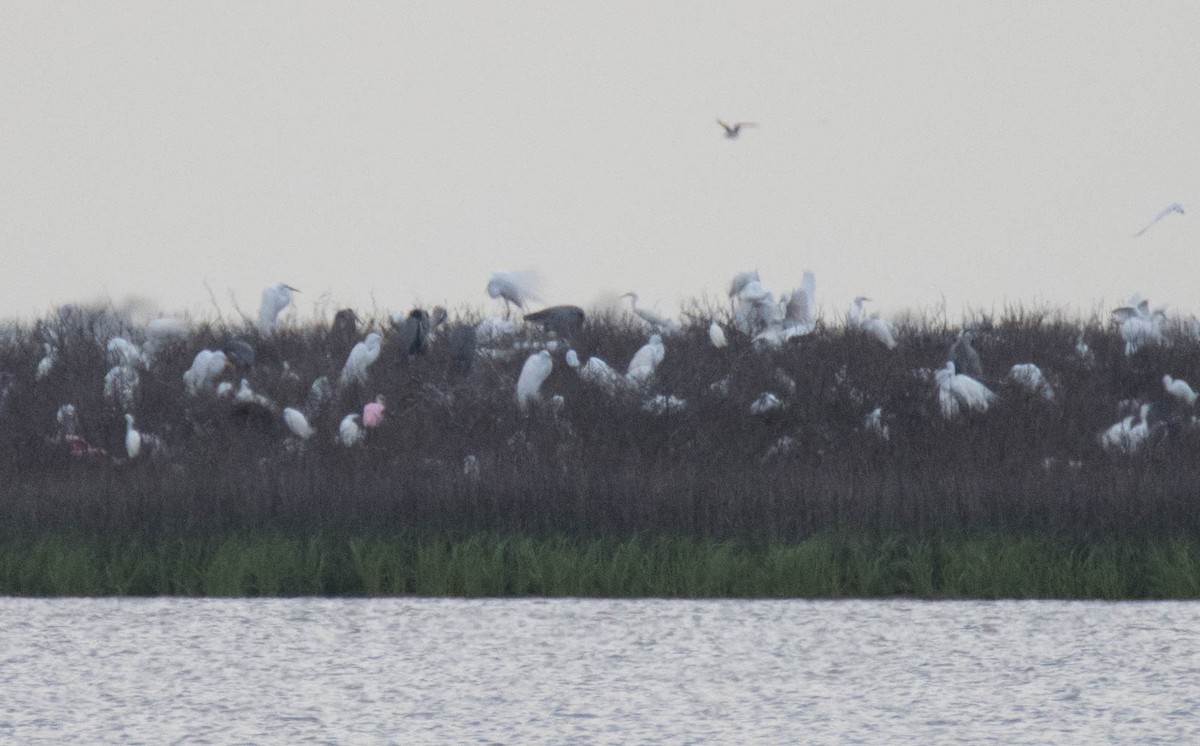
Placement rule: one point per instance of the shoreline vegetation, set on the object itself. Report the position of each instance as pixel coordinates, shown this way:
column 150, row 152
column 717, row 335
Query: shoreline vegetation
column 483, row 565
column 822, row 465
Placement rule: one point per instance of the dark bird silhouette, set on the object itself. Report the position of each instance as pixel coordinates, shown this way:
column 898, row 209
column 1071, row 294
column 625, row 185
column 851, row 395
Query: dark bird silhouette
column 964, row 356
column 412, row 334
column 462, row 350
column 562, row 320
column 343, row 333
column 732, row 131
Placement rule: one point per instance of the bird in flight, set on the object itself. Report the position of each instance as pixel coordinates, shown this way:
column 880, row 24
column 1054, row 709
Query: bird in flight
column 733, row 130
column 1174, row 207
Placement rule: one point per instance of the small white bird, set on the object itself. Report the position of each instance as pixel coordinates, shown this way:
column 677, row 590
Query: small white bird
column 350, row 431
column 856, row 314
column 716, row 335
column 297, row 423
column 572, row 359
column 247, row 395
column 645, row 361
column 1174, row 207
column 1179, row 389
column 957, row 391
column 732, row 131
column 207, row 366
column 534, row 373
column 741, row 280
column 275, row 298
column 360, row 358
column 796, row 315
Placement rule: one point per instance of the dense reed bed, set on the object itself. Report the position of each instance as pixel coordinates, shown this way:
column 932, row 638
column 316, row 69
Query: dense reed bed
column 604, row 466
column 829, row 566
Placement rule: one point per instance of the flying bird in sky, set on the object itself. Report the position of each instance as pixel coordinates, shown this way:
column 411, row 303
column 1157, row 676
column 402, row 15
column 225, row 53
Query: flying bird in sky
column 1173, row 207
column 733, row 130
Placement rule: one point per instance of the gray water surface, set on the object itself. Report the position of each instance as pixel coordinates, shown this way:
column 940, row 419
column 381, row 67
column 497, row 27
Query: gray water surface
column 596, row 671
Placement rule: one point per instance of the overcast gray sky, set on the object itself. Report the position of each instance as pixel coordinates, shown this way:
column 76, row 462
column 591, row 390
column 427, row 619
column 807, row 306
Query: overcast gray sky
column 394, row 153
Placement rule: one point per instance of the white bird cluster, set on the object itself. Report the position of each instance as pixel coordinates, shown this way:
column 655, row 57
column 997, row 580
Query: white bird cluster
column 1139, row 326
column 958, row 392
column 756, row 313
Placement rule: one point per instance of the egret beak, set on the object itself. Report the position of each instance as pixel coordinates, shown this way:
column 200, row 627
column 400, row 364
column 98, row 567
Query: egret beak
column 294, row 290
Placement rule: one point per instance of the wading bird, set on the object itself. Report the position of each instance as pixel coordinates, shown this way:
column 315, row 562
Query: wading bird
column 964, row 356
column 1030, row 377
column 1179, row 389
column 1139, row 326
column 373, row 412
column 1174, row 207
column 350, row 432
column 137, row 442
column 562, row 320
column 732, row 131
column 645, row 361
column 716, row 335
column 297, row 423
column 412, row 334
column 275, row 298
column 957, row 391
column 534, row 373
column 657, row 321
column 207, row 366
column 1129, row 435
column 360, row 358
column 515, row 288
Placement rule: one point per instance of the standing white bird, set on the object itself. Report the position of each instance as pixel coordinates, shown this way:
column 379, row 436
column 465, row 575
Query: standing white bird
column 957, row 391
column 1179, row 389
column 46, row 364
column 133, row 438
column 350, row 432
column 795, row 316
column 880, row 329
column 645, row 361
column 297, row 423
column 600, row 373
column 657, row 321
column 572, row 359
column 1030, row 376
column 534, row 373
column 1139, row 325
column 123, row 352
column 1174, row 207
column 516, row 288
column 741, row 280
column 856, row 314
column 1129, row 435
column 732, row 131
column 716, row 335
column 275, row 298
column 207, row 366
column 360, row 358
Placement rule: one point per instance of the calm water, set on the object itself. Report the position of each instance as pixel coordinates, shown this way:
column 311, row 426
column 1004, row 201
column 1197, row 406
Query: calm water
column 522, row 671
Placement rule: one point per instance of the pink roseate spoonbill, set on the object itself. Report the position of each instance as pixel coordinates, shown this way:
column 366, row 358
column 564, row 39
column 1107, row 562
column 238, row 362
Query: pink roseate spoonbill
column 372, row 415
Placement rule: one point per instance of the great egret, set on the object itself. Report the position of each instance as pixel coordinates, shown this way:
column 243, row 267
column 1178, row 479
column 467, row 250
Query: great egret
column 562, row 320
column 136, row 441
column 438, row 315
column 360, row 358
column 873, row 324
column 534, row 373
column 732, row 131
column 600, row 373
column 412, row 333
column 350, row 432
column 207, row 366
column 716, row 335
column 373, row 412
column 753, row 308
column 46, row 364
column 795, row 316
column 1129, row 435
column 1030, row 377
column 297, row 423
column 645, row 361
column 740, row 281
column 1139, row 325
column 572, row 358
column 957, row 391
column 856, row 314
column 657, row 321
column 121, row 385
column 1174, row 207
column 275, row 298
column 1179, row 389
column 964, row 356
column 515, row 288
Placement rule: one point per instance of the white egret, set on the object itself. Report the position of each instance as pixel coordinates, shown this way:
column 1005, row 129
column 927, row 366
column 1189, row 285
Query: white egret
column 46, row 364
column 657, row 321
column 207, row 366
column 350, row 432
column 515, row 288
column 1129, row 435
column 123, row 352
column 572, row 359
column 360, row 358
column 275, row 298
column 716, row 335
column 880, row 329
column 534, row 373
column 1030, row 377
column 600, row 373
column 732, row 131
column 753, row 308
column 297, row 423
column 964, row 356
column 1179, row 389
column 856, row 314
column 1174, row 207
column 137, row 442
column 121, row 385
column 957, row 391
column 740, row 281
column 645, row 361
column 1138, row 325
column 247, row 395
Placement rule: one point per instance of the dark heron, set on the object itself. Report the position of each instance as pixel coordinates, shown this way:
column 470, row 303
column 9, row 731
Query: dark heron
column 964, row 356
column 562, row 320
column 462, row 350
column 343, row 333
column 240, row 353
column 733, row 130
column 412, row 334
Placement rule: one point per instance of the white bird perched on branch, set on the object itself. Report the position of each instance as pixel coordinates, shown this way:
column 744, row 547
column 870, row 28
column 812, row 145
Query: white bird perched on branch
column 1030, row 376
column 123, row 352
column 359, row 359
column 600, row 373
column 136, row 442
column 796, row 315
column 957, row 391
column 856, row 314
column 740, row 281
column 350, row 432
column 46, row 364
column 1179, row 389
column 534, row 373
column 1174, row 207
column 297, row 423
column 716, row 335
column 207, row 366
column 657, row 321
column 1139, row 325
column 753, row 308
column 1129, row 435
column 516, row 288
column 872, row 324
column 645, row 361
column 275, row 298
